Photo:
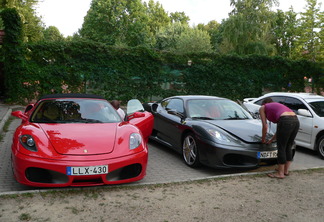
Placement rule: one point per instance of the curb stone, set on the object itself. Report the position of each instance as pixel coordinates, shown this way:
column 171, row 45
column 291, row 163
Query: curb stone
column 4, row 119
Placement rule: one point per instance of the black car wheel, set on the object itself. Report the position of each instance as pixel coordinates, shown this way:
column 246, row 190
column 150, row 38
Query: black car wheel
column 320, row 146
column 190, row 150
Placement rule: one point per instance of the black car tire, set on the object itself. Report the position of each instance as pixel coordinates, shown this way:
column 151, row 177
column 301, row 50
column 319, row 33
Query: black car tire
column 190, row 150
column 320, row 146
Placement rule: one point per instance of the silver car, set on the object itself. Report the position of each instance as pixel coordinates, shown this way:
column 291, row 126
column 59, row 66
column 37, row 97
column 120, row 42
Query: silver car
column 310, row 112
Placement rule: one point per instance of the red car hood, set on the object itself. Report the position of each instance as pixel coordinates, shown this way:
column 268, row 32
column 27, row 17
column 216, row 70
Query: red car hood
column 80, row 139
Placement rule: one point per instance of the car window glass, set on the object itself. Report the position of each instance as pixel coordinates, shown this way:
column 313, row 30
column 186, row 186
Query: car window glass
column 164, row 103
column 318, row 107
column 175, row 104
column 278, row 99
column 216, row 109
column 75, row 111
column 133, row 106
column 294, row 104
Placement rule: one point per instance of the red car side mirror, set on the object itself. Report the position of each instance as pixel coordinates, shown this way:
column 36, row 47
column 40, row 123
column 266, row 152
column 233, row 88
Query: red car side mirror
column 20, row 115
column 136, row 115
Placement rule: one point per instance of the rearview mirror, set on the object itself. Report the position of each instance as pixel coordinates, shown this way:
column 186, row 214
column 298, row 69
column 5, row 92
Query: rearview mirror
column 304, row 112
column 20, row 115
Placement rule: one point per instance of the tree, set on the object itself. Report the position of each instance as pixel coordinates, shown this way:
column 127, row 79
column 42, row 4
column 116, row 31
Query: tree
column 247, row 30
column 116, row 22
column 32, row 24
column 179, row 17
column 310, row 41
column 157, row 16
column 53, row 34
column 180, row 38
column 213, row 29
column 193, row 40
column 285, row 32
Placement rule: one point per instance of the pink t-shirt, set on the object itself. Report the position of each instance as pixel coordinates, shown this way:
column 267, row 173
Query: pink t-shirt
column 274, row 110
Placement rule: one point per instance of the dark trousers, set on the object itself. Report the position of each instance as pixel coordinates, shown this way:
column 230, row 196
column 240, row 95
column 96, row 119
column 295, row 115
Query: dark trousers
column 287, row 129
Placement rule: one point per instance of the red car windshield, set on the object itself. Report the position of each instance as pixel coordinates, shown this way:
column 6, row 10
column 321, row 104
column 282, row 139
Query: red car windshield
column 74, row 111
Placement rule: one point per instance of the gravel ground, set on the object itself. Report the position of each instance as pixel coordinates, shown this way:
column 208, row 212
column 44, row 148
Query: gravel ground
column 298, row 197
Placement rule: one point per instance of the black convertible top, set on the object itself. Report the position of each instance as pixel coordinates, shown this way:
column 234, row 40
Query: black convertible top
column 70, row 95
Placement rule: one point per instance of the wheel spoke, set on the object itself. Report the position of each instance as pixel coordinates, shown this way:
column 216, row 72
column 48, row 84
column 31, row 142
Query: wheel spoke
column 189, row 150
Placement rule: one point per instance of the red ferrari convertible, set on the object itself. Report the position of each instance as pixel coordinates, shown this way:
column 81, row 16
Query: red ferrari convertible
column 80, row 140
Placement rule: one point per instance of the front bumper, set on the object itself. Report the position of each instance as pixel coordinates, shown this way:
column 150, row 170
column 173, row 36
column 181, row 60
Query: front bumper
column 222, row 156
column 40, row 172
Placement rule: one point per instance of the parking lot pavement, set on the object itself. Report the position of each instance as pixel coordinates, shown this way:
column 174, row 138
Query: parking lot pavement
column 164, row 166
column 5, row 112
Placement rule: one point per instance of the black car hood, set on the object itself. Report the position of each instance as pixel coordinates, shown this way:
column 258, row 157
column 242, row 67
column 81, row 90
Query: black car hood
column 248, row 130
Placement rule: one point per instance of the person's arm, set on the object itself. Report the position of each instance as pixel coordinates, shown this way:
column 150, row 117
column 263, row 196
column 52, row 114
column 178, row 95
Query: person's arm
column 264, row 124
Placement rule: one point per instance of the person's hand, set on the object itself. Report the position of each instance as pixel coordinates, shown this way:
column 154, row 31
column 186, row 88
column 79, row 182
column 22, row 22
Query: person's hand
column 269, row 141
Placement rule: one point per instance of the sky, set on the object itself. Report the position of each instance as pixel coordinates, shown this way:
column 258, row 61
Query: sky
column 67, row 15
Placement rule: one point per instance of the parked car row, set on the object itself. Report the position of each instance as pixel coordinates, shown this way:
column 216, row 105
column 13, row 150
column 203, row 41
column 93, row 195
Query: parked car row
column 310, row 112
column 80, row 139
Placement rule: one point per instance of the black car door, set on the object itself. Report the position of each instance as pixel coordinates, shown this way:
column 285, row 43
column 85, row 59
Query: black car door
column 168, row 120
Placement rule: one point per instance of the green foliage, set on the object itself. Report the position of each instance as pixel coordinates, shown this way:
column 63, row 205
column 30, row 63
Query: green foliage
column 52, row 33
column 310, row 41
column 237, row 77
column 179, row 17
column 91, row 67
column 285, row 32
column 31, row 24
column 125, row 73
column 157, row 16
column 78, row 65
column 213, row 29
column 13, row 55
column 182, row 39
column 193, row 41
column 116, row 22
column 249, row 25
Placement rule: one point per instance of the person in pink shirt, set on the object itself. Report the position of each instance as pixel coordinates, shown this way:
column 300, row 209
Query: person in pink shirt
column 287, row 129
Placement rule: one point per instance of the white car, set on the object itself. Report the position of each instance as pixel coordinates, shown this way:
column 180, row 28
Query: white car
column 310, row 112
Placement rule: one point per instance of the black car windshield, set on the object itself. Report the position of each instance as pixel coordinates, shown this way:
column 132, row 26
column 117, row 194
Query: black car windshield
column 74, row 111
column 220, row 109
column 318, row 107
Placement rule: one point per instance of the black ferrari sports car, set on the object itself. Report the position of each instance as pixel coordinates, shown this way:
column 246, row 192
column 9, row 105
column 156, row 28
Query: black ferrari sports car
column 212, row 131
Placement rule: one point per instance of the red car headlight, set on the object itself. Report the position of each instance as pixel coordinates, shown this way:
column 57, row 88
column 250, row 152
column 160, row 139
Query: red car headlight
column 28, row 142
column 135, row 140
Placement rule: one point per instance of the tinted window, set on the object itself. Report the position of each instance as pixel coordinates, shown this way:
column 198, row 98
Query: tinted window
column 278, row 99
column 318, row 107
column 174, row 104
column 216, row 109
column 74, row 111
column 294, row 104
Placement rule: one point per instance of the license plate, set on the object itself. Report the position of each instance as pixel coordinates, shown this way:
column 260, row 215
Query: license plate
column 88, row 170
column 267, row 154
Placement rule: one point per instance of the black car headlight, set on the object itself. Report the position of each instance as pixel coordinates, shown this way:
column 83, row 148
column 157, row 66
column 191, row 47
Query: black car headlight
column 135, row 141
column 28, row 142
column 222, row 138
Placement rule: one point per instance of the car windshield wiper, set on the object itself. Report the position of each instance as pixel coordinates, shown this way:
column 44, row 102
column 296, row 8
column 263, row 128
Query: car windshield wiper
column 203, row 117
column 89, row 121
column 234, row 118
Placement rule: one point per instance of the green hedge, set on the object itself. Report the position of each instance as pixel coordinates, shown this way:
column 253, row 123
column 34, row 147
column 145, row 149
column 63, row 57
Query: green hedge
column 118, row 73
column 32, row 70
